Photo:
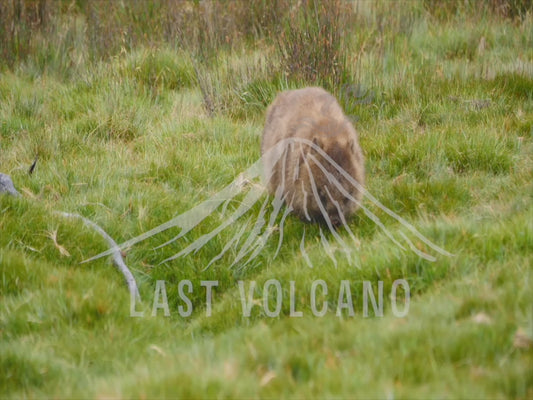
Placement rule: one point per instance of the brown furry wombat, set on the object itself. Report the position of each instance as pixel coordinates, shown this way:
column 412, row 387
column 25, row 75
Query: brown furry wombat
column 306, row 133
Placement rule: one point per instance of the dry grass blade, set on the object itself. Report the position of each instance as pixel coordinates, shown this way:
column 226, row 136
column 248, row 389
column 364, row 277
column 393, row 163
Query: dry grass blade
column 53, row 235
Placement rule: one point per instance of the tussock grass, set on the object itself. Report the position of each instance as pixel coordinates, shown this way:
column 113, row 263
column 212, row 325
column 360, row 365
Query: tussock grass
column 130, row 132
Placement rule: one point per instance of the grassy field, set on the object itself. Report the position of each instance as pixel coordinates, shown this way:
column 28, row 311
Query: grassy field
column 442, row 98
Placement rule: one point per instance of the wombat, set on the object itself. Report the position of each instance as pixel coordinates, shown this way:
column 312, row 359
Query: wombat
column 297, row 169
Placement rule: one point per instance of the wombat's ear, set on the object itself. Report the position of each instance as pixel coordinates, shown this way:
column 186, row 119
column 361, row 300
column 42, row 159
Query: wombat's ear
column 317, row 142
column 351, row 145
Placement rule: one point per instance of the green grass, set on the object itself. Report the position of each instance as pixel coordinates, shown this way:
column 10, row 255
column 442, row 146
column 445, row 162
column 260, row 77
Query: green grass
column 129, row 142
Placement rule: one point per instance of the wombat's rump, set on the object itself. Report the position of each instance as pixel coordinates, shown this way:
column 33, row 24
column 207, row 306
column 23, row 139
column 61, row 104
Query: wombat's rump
column 307, row 181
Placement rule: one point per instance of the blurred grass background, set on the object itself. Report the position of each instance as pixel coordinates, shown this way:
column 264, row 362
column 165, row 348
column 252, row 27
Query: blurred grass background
column 140, row 110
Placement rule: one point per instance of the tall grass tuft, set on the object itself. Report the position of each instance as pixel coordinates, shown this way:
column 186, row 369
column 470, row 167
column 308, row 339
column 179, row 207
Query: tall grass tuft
column 20, row 21
column 311, row 44
column 512, row 9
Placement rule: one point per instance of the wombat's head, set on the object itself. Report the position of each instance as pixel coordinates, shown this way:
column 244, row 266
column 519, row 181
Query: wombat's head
column 329, row 192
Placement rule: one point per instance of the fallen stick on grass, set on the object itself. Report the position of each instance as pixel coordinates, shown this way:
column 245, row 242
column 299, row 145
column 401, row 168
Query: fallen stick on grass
column 117, row 256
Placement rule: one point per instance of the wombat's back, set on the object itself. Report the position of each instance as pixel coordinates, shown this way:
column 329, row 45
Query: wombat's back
column 294, row 107
column 303, row 175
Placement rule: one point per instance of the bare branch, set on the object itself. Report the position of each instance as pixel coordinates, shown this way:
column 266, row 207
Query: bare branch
column 115, row 252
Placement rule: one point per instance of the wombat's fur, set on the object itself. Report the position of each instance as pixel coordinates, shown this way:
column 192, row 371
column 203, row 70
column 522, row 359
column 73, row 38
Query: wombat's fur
column 312, row 114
